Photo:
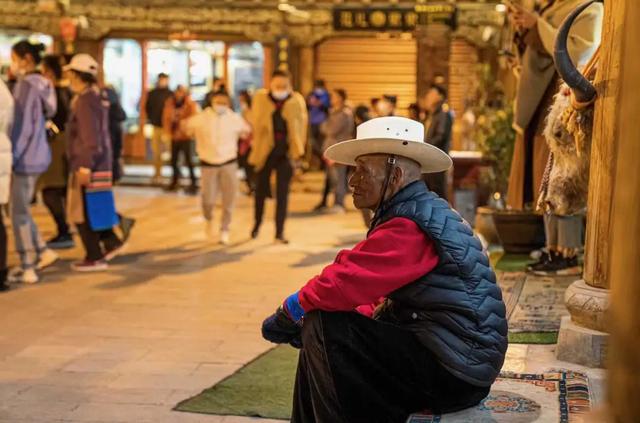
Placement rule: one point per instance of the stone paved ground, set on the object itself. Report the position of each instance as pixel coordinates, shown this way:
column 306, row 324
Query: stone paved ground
column 172, row 317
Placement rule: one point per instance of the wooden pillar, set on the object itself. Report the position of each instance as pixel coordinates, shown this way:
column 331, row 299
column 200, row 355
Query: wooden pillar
column 583, row 339
column 602, row 177
column 268, row 65
column 624, row 264
column 306, row 69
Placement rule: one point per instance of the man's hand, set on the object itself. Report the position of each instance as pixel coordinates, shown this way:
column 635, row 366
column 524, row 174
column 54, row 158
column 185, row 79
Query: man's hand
column 83, row 176
column 522, row 18
column 279, row 328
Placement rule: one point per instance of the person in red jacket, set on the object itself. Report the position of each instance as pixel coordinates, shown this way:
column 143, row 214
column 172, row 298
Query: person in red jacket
column 410, row 318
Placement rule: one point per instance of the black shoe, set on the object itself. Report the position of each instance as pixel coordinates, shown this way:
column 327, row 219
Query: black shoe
column 320, row 208
column 4, row 286
column 281, row 240
column 192, row 190
column 126, row 224
column 572, row 267
column 61, row 242
column 557, row 265
column 255, row 232
column 171, row 188
column 544, row 259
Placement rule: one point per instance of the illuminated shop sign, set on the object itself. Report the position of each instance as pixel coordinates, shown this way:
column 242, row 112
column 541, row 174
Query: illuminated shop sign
column 393, row 18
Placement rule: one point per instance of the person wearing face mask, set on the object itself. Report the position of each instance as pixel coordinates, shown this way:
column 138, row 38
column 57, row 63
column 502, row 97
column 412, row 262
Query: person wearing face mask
column 35, row 102
column 386, row 106
column 279, row 122
column 90, row 202
column 244, row 143
column 216, row 131
column 178, row 108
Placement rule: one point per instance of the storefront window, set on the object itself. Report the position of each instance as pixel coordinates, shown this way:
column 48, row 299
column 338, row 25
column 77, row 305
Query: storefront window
column 9, row 38
column 192, row 64
column 245, row 68
column 123, row 70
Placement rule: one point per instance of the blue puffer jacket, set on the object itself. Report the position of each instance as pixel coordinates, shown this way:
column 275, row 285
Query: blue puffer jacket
column 35, row 101
column 456, row 310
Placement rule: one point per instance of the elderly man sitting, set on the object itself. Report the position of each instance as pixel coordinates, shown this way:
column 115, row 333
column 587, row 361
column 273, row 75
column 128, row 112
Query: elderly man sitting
column 409, row 319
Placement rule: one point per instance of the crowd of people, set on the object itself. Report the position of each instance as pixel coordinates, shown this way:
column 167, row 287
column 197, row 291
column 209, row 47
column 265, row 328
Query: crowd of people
column 61, row 135
column 65, row 133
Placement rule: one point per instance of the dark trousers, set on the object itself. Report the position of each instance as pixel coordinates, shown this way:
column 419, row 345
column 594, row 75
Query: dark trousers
column 55, row 199
column 243, row 162
column 317, row 141
column 354, row 369
column 97, row 243
column 186, row 149
column 284, row 172
column 335, row 181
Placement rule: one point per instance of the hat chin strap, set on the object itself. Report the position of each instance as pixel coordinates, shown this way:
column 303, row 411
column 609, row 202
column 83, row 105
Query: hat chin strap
column 391, row 162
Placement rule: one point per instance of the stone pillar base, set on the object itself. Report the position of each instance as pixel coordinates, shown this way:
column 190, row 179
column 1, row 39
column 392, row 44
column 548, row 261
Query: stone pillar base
column 579, row 345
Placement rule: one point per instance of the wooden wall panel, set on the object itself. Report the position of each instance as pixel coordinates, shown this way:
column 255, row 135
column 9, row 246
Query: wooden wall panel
column 369, row 67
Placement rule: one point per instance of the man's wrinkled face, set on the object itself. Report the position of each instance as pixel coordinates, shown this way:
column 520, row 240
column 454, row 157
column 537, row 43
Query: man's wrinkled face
column 367, row 180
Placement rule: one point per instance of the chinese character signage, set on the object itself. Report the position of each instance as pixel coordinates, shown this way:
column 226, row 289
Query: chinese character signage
column 392, row 18
column 282, row 54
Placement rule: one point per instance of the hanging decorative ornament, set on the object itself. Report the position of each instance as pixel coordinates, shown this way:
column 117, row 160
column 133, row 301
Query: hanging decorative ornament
column 68, row 33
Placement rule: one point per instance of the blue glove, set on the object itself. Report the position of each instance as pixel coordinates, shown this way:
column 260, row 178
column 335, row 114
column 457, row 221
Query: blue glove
column 279, row 328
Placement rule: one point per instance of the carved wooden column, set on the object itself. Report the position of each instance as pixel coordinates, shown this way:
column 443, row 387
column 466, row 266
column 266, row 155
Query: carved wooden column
column 583, row 338
column 624, row 264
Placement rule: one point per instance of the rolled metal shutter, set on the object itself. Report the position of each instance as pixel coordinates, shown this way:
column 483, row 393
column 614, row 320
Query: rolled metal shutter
column 369, row 67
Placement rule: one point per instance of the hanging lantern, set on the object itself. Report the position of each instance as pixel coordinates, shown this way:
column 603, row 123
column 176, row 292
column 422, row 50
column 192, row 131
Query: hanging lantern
column 68, row 32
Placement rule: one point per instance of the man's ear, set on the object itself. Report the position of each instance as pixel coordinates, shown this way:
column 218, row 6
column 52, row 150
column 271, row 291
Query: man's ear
column 398, row 175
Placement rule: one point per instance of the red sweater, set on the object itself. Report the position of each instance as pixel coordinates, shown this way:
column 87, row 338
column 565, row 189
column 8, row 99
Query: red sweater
column 395, row 254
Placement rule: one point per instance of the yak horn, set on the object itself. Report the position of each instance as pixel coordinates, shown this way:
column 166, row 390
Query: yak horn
column 583, row 90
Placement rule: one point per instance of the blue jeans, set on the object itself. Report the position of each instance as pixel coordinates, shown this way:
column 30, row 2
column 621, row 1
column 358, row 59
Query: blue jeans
column 29, row 243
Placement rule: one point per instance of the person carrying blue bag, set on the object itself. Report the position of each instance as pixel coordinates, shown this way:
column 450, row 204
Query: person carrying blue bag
column 91, row 204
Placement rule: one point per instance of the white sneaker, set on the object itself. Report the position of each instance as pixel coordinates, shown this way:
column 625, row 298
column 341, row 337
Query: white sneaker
column 47, row 258
column 20, row 275
column 224, row 238
column 209, row 230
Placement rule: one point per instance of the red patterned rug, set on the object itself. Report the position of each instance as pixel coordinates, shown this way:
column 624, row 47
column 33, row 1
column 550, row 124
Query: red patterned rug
column 561, row 396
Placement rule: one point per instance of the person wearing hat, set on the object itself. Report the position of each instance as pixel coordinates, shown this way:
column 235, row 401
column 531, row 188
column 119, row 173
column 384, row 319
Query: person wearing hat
column 409, row 319
column 90, row 162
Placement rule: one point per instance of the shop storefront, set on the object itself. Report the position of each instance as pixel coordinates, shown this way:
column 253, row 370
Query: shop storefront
column 132, row 66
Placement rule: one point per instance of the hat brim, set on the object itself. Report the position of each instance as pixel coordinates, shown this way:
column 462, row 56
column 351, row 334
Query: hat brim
column 73, row 68
column 430, row 158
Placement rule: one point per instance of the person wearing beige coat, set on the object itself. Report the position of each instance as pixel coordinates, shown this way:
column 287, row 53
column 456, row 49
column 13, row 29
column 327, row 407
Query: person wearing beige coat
column 279, row 121
column 6, row 119
column 538, row 82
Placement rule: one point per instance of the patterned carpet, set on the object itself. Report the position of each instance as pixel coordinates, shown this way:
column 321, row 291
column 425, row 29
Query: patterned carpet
column 522, row 398
column 534, row 303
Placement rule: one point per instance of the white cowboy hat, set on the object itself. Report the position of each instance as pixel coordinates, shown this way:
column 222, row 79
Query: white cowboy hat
column 394, row 136
column 83, row 63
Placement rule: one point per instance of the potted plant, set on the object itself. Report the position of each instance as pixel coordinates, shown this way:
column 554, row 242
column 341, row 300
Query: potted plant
column 518, row 231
